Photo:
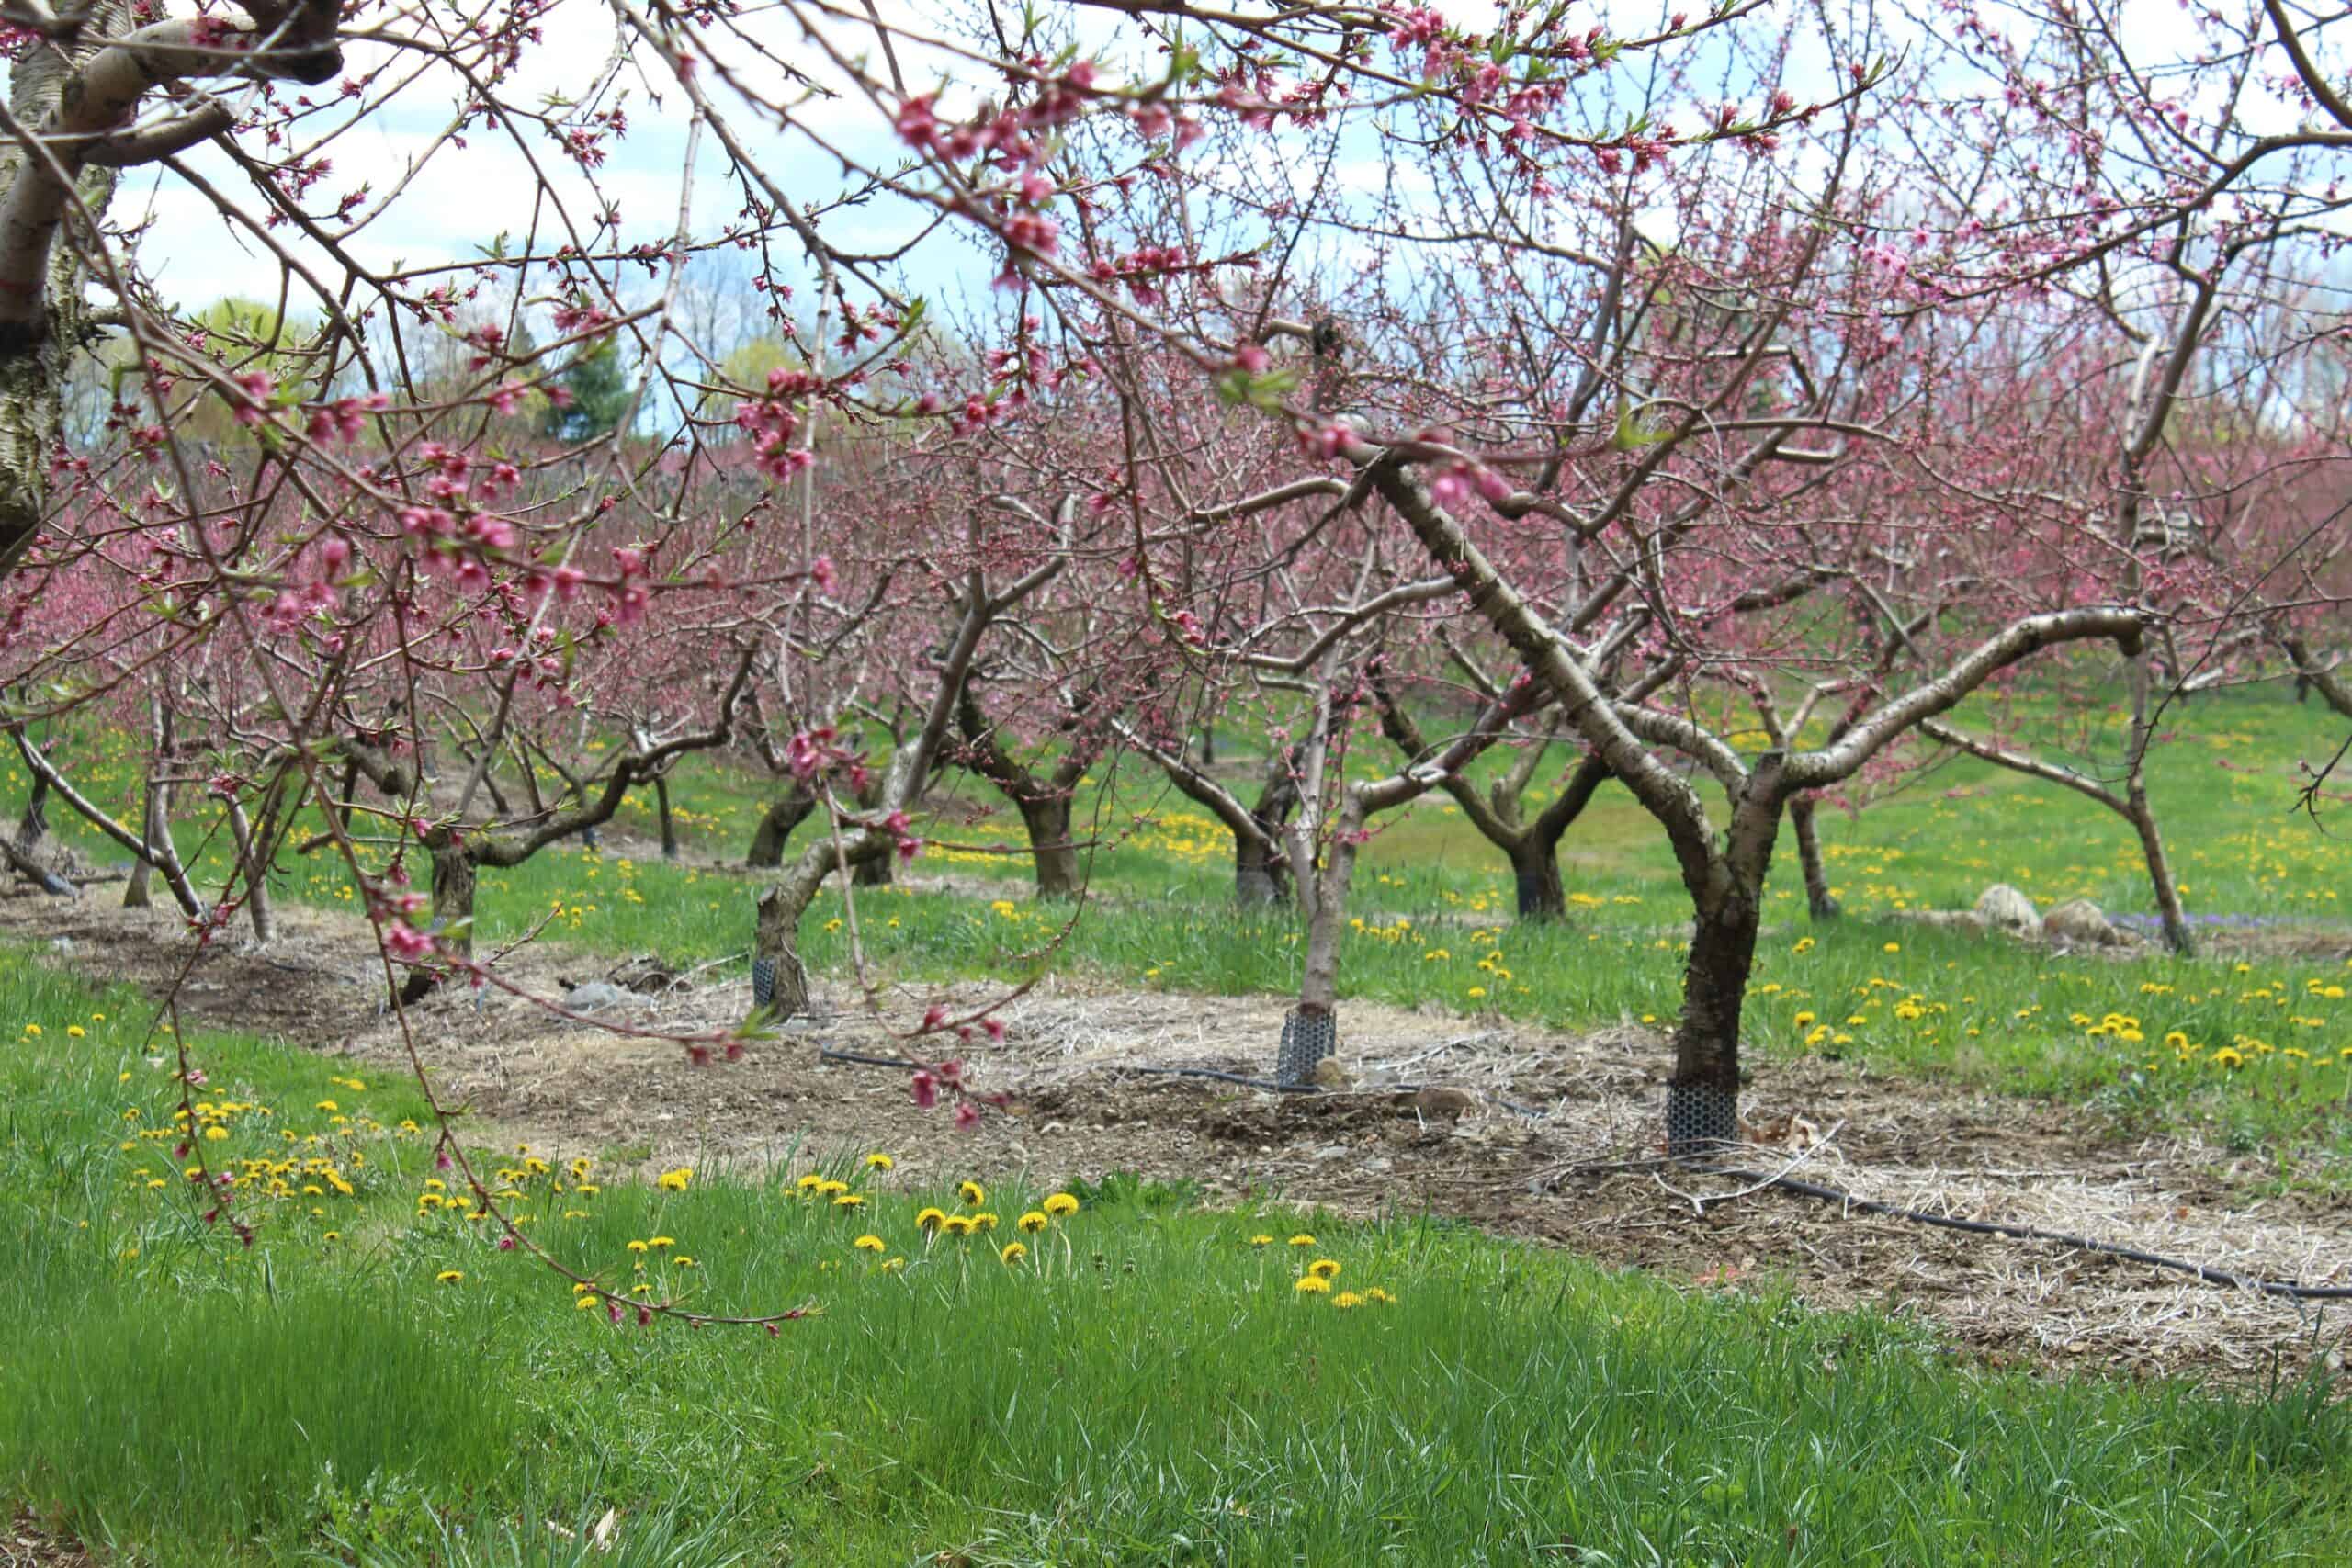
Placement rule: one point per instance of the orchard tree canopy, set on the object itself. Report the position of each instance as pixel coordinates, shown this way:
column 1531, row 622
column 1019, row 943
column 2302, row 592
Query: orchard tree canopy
column 1040, row 378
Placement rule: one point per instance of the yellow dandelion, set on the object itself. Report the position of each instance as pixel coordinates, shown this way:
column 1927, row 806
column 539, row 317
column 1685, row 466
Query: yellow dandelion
column 1324, row 1268
column 1313, row 1285
column 1302, row 1239
column 1033, row 1222
column 1346, row 1299
column 880, row 1162
column 675, row 1180
column 1014, row 1252
column 449, row 1276
column 869, row 1243
column 1262, row 1241
column 637, row 1246
column 810, row 1182
column 984, row 1221
column 663, row 1241
column 957, row 1224
column 1061, row 1205
column 1377, row 1294
column 930, row 1219
column 848, row 1200
column 972, row 1194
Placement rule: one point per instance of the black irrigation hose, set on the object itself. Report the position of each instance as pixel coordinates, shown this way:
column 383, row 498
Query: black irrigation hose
column 2288, row 1289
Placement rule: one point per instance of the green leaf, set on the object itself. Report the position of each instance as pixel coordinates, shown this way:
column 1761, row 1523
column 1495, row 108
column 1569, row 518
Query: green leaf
column 1631, row 434
column 1260, row 389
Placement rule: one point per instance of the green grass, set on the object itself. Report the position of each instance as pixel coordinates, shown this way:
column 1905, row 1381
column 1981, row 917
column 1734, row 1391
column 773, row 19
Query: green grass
column 2259, row 1056
column 1147, row 1387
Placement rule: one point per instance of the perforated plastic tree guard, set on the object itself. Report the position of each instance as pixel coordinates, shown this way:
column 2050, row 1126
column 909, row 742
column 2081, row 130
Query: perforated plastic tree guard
column 762, row 981
column 1701, row 1118
column 1308, row 1038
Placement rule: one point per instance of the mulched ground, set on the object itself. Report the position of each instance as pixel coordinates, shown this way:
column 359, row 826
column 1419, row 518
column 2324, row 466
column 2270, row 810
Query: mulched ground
column 1574, row 1165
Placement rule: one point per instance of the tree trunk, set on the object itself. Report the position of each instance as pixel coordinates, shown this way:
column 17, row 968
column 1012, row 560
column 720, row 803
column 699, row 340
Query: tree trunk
column 1818, row 904
column 1257, row 868
column 1535, row 868
column 1048, row 820
column 2143, row 818
column 779, row 980
column 1311, row 1032
column 881, row 871
column 453, row 913
column 256, row 875
column 1702, row 1098
column 33, row 826
column 154, row 823
column 784, row 814
column 661, row 808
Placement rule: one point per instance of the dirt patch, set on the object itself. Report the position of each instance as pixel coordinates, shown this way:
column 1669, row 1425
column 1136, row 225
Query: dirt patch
column 25, row 1544
column 1556, row 1142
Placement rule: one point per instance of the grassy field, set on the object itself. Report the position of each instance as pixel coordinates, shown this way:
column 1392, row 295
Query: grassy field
column 2254, row 1049
column 373, row 1380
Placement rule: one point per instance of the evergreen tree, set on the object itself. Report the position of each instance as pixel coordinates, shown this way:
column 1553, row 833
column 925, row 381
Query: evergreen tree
column 600, row 393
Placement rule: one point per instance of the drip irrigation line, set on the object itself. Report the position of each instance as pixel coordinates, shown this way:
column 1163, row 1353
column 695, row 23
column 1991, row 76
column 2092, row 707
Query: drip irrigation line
column 2290, row 1289
column 2287, row 1289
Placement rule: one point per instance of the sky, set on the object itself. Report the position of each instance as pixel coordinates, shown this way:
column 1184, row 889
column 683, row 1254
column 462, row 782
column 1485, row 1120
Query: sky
column 456, row 200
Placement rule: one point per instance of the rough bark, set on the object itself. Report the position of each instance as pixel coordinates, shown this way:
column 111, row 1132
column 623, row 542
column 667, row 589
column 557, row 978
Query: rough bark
column 453, row 905
column 775, row 930
column 2169, row 909
column 1043, row 803
column 1531, row 848
column 669, row 825
column 254, row 870
column 784, row 814
column 81, row 96
column 32, row 827
column 1715, row 990
column 1725, row 876
column 145, row 848
column 1818, row 902
column 880, row 871
column 1048, row 820
column 1261, row 866
column 1535, row 872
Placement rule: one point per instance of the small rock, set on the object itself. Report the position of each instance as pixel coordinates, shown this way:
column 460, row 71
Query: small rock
column 1325, row 1155
column 593, row 996
column 2078, row 922
column 1442, row 1104
column 1329, row 1074
column 2004, row 909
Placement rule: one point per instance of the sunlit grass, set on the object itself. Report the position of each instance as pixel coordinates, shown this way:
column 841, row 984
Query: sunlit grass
column 2253, row 1054
column 1146, row 1382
